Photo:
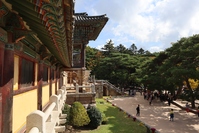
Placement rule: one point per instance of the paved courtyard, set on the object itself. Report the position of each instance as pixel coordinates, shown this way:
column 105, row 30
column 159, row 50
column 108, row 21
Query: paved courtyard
column 157, row 115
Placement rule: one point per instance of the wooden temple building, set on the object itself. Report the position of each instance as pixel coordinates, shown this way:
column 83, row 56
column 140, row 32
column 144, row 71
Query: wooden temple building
column 39, row 40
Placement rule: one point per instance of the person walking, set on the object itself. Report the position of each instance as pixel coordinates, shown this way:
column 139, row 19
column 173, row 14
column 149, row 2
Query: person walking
column 169, row 101
column 171, row 115
column 150, row 100
column 138, row 110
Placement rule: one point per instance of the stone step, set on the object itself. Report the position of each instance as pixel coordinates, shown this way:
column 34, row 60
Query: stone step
column 71, row 91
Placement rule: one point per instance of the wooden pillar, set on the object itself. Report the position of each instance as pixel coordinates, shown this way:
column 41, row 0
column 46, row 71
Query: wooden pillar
column 1, row 112
column 83, row 62
column 51, row 77
column 7, row 88
column 1, row 81
column 59, row 80
column 40, row 83
column 56, row 80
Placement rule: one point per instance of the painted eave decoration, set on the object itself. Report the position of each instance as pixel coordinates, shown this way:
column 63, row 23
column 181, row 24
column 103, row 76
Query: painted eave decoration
column 53, row 22
column 88, row 27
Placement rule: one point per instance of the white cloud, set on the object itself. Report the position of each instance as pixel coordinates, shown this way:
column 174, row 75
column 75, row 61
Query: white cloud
column 143, row 21
column 155, row 49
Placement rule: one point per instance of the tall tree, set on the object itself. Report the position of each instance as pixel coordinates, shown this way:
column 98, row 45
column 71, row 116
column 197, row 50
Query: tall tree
column 108, row 47
column 152, row 79
column 118, row 69
column 121, row 48
column 93, row 57
column 141, row 51
column 133, row 48
column 182, row 64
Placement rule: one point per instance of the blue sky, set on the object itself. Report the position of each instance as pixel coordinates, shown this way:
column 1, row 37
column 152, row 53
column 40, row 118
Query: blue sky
column 150, row 24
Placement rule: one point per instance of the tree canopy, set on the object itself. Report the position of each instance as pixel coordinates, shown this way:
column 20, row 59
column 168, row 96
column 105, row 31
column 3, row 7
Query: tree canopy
column 174, row 69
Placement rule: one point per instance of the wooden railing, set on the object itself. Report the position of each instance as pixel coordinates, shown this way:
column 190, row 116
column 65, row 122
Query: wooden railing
column 50, row 120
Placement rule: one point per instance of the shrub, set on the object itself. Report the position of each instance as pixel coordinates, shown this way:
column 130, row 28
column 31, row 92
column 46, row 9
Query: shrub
column 104, row 119
column 95, row 117
column 66, row 110
column 78, row 115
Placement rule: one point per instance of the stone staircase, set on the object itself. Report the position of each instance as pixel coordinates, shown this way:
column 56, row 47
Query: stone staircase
column 110, row 86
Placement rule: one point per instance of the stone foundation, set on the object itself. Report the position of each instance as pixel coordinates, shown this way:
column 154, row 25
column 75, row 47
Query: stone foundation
column 84, row 98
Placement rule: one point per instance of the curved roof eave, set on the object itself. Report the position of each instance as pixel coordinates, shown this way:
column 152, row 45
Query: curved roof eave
column 52, row 22
column 96, row 23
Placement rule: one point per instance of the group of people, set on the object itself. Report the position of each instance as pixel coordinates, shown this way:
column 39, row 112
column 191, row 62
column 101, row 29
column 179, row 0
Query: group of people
column 171, row 114
column 151, row 96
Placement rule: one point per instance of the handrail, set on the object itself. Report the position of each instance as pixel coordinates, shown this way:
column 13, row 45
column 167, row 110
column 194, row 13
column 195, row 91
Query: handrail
column 113, row 86
column 49, row 120
column 92, row 87
column 34, row 130
column 49, row 110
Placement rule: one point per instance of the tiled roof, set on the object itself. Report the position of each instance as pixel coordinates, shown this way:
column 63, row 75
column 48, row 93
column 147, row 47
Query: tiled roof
column 83, row 17
column 88, row 27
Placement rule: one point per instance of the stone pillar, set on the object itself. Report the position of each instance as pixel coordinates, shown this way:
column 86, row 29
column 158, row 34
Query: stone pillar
column 77, row 88
column 93, row 88
column 83, row 75
column 64, row 76
column 36, row 119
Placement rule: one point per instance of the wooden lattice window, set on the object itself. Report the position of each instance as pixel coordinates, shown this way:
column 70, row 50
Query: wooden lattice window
column 27, row 73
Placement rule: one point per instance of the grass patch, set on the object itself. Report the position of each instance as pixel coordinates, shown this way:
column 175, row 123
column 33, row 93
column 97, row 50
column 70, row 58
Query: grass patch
column 118, row 121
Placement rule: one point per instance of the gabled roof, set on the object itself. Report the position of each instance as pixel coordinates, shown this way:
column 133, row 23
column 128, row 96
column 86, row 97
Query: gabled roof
column 88, row 27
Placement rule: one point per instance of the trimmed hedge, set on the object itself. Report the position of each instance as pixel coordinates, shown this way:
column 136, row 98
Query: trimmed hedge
column 78, row 115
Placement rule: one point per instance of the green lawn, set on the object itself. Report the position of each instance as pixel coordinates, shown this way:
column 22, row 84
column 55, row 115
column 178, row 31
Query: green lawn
column 118, row 121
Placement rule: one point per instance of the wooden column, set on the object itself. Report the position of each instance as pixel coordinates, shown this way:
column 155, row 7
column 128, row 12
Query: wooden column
column 83, row 62
column 59, row 80
column 57, row 83
column 56, row 80
column 7, row 88
column 40, row 83
column 50, row 86
column 1, row 81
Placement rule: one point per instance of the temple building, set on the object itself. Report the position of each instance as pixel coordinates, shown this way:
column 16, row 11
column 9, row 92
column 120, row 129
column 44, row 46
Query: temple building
column 40, row 41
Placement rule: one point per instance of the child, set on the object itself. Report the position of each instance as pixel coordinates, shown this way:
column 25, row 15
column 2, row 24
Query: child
column 171, row 115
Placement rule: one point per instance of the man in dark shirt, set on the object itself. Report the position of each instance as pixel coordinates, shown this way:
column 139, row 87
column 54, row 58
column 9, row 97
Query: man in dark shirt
column 138, row 110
